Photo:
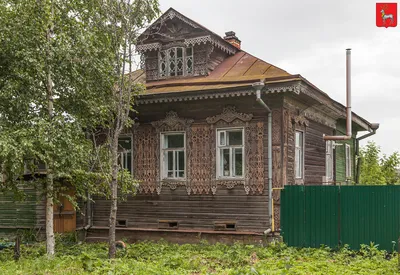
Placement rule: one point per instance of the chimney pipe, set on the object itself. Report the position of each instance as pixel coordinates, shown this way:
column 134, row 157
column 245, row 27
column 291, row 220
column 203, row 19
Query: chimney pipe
column 231, row 38
column 348, row 102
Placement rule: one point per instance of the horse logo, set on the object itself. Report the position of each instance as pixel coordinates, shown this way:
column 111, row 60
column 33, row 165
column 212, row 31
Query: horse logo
column 386, row 15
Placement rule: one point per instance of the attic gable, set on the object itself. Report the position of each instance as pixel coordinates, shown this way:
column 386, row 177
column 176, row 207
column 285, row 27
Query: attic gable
column 173, row 27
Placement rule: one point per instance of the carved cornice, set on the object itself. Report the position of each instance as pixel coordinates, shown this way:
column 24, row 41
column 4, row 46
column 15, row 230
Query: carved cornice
column 148, row 47
column 172, row 14
column 215, row 42
column 317, row 116
column 228, row 115
column 171, row 120
column 198, row 95
column 301, row 120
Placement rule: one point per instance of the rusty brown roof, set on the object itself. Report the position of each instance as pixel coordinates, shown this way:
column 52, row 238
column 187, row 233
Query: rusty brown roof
column 235, row 71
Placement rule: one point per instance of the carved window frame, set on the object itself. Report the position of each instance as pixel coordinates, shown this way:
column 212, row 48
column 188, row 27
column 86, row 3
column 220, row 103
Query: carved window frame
column 164, row 58
column 173, row 123
column 230, row 118
column 302, row 150
column 329, row 161
column 162, row 150
column 218, row 154
column 348, row 161
column 299, row 123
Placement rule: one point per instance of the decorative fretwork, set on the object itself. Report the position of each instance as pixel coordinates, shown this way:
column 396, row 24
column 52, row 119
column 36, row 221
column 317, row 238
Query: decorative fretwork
column 175, row 61
column 254, row 149
column 148, row 47
column 228, row 115
column 255, row 157
column 300, row 120
column 144, row 156
column 201, row 164
column 222, row 45
column 172, row 122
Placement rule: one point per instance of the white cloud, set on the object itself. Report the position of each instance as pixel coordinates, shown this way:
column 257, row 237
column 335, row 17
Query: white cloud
column 309, row 37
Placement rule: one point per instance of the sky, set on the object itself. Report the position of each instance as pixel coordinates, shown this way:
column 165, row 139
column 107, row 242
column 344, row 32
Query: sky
column 309, row 37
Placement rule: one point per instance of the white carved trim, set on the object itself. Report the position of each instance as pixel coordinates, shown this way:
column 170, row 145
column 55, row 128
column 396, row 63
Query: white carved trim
column 148, row 47
column 162, row 98
column 172, row 119
column 228, row 115
column 205, row 39
column 171, row 14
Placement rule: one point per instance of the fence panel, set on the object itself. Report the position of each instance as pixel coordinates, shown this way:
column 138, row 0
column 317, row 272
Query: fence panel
column 370, row 214
column 333, row 215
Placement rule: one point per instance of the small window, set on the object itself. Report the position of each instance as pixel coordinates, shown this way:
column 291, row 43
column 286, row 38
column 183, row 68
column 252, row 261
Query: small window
column 348, row 161
column 299, row 155
column 230, row 153
column 125, row 153
column 329, row 160
column 175, row 61
column 173, row 156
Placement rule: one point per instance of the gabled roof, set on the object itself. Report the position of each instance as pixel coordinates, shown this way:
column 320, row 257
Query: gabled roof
column 237, row 70
column 172, row 13
column 240, row 70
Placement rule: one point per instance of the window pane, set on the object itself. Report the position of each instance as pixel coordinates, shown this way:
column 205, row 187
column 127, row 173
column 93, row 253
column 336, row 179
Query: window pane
column 235, row 138
column 225, row 162
column 299, row 139
column 179, row 52
column 174, row 141
column 189, row 51
column 222, row 138
column 238, row 161
column 170, row 161
column 181, row 160
column 125, row 143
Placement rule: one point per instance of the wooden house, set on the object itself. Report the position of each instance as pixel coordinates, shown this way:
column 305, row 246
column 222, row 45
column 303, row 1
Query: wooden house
column 216, row 129
column 219, row 132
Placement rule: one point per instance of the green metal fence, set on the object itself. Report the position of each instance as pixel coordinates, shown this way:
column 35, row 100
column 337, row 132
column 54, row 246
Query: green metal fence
column 312, row 216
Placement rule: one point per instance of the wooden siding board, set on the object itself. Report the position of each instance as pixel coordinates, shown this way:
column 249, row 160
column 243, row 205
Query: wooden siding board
column 314, row 155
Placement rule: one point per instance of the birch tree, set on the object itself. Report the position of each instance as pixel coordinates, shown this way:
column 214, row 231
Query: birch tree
column 122, row 22
column 52, row 63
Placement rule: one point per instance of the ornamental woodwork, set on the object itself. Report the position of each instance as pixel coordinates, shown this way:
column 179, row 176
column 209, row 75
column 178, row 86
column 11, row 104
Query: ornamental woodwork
column 144, row 156
column 172, row 122
column 254, row 132
column 201, row 164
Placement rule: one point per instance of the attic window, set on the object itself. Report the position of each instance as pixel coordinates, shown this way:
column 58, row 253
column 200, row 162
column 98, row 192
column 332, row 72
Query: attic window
column 176, row 61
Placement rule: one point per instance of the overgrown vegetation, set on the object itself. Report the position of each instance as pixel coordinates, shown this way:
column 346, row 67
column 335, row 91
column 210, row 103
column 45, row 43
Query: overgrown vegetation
column 164, row 258
column 377, row 169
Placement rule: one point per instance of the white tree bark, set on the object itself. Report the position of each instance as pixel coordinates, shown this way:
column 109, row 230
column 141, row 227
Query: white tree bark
column 50, row 240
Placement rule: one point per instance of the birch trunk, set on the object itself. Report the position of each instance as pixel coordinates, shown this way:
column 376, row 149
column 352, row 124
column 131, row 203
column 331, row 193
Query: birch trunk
column 114, row 197
column 50, row 241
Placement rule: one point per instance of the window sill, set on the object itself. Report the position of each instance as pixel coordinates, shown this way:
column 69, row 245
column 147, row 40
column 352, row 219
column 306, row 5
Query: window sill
column 223, row 179
column 173, row 180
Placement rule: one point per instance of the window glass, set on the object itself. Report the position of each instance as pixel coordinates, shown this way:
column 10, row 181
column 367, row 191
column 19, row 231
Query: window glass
column 230, row 153
column 238, row 159
column 174, row 141
column 299, row 155
column 235, row 138
column 176, row 61
column 173, row 147
column 125, row 153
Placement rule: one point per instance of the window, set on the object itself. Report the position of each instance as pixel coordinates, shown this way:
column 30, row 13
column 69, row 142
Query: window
column 173, row 160
column 329, row 160
column 125, row 153
column 230, row 153
column 299, row 155
column 176, row 61
column 348, row 161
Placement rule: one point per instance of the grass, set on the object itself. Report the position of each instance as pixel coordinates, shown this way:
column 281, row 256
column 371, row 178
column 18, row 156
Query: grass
column 164, row 258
